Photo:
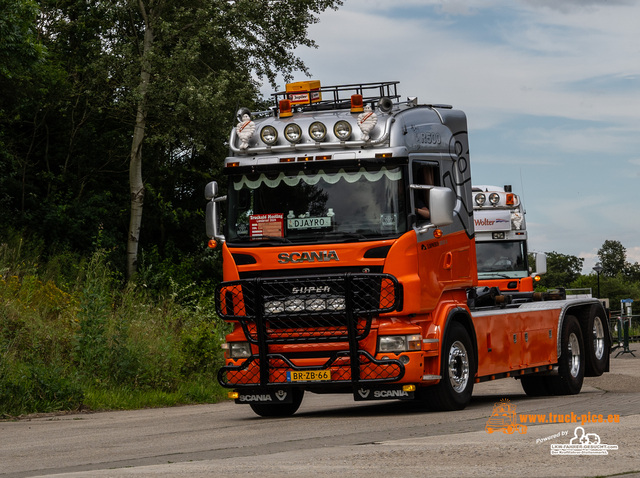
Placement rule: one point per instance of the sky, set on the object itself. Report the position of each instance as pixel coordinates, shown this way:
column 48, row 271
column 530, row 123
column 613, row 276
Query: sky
column 551, row 90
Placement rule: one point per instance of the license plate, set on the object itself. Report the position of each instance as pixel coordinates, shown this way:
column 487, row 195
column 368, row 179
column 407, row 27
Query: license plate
column 308, row 376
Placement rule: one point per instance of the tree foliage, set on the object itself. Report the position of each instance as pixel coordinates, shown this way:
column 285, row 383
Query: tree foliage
column 613, row 258
column 562, row 270
column 79, row 82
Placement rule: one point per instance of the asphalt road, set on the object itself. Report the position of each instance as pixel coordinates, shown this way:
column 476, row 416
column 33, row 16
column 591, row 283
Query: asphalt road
column 332, row 436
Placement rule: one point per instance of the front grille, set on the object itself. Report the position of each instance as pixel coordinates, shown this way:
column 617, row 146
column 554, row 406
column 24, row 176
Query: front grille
column 304, row 310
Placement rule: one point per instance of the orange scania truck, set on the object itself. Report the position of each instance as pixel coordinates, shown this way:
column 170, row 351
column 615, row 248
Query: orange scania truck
column 349, row 262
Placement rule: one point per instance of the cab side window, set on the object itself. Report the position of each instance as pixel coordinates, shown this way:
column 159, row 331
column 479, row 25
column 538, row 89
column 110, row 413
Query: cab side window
column 427, row 174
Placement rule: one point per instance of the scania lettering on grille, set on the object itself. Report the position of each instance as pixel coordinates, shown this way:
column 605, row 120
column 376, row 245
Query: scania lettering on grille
column 296, row 257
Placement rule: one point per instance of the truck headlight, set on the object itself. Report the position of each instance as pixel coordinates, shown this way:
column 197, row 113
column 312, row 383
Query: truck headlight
column 238, row 350
column 399, row 343
column 342, row 130
column 294, row 305
column 317, row 131
column 293, row 133
column 274, row 307
column 269, row 135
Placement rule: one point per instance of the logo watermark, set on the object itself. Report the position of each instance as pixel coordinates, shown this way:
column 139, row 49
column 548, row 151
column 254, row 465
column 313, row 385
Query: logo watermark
column 582, row 443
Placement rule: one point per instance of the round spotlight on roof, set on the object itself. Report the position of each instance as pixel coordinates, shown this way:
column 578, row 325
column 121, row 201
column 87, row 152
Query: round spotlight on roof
column 342, row 130
column 269, row 135
column 317, row 131
column 480, row 199
column 494, row 198
column 293, row 133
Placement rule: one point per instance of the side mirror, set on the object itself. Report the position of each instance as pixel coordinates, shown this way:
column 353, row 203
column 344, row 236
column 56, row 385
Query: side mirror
column 541, row 263
column 211, row 213
column 211, row 190
column 442, row 203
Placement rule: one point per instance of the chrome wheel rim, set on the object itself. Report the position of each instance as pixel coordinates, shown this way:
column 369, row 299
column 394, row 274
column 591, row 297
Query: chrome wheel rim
column 574, row 355
column 458, row 366
column 598, row 338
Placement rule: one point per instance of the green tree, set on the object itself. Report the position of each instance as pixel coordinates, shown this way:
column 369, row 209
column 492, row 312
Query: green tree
column 195, row 55
column 118, row 75
column 562, row 270
column 613, row 258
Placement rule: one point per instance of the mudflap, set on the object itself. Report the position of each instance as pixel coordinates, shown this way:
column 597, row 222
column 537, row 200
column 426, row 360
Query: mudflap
column 389, row 392
column 279, row 395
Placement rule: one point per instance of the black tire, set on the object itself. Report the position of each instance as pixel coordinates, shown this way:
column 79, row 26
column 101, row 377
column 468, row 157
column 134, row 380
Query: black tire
column 458, row 370
column 535, row 385
column 597, row 345
column 273, row 410
column 571, row 364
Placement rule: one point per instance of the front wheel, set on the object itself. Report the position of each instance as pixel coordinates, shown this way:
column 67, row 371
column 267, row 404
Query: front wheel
column 458, row 369
column 272, row 410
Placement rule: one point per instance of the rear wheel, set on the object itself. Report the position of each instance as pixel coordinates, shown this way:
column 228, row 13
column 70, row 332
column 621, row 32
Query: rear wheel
column 458, row 369
column 535, row 385
column 597, row 345
column 279, row 409
column 571, row 363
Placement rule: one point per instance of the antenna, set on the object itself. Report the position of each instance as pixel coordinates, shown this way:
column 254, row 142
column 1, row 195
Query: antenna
column 522, row 201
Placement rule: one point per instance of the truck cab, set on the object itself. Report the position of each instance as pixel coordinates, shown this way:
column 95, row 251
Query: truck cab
column 501, row 241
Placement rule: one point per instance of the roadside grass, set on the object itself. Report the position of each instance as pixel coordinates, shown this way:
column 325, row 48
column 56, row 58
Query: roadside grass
column 74, row 335
column 127, row 398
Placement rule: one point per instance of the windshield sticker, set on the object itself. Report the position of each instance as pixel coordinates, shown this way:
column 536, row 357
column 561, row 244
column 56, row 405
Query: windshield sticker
column 266, row 225
column 308, row 222
column 389, row 222
column 313, row 179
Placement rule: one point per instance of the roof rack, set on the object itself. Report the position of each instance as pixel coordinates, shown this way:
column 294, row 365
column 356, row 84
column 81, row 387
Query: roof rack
column 339, row 96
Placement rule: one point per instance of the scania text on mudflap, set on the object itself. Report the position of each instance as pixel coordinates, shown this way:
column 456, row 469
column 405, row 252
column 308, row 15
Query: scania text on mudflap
column 349, row 262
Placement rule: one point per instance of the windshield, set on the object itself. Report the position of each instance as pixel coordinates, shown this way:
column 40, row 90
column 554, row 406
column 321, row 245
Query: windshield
column 324, row 205
column 505, row 259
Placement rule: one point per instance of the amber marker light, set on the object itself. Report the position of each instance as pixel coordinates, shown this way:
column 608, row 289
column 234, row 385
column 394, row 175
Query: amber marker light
column 510, row 199
column 437, row 233
column 212, row 244
column 284, row 106
column 357, row 105
column 536, row 278
column 233, row 395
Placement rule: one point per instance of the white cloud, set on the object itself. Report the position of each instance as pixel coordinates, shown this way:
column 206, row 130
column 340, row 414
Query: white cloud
column 551, row 90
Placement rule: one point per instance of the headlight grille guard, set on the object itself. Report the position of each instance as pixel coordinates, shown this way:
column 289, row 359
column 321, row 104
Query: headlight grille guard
column 351, row 301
